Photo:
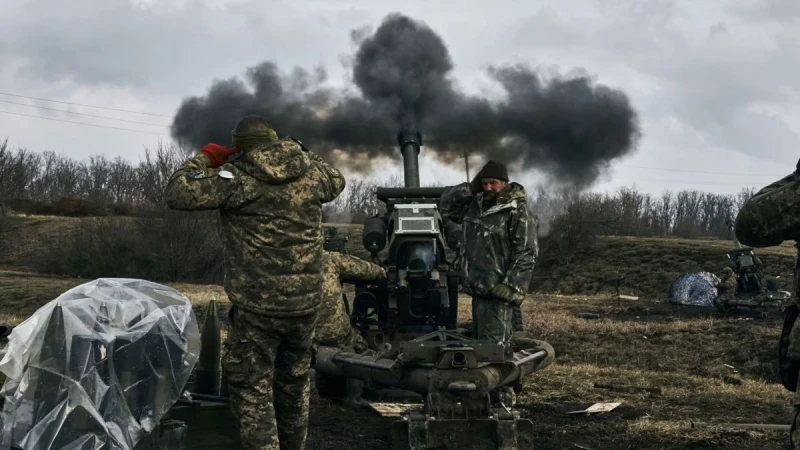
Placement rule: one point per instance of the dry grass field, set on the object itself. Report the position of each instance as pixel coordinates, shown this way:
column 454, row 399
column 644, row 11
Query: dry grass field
column 709, row 369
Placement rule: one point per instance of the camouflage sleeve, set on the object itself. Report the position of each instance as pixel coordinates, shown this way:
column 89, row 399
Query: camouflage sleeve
column 196, row 187
column 524, row 240
column 785, row 181
column 352, row 268
column 333, row 181
column 771, row 216
column 455, row 201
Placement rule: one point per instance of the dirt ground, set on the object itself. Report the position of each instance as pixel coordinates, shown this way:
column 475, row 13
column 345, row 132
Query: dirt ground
column 710, row 369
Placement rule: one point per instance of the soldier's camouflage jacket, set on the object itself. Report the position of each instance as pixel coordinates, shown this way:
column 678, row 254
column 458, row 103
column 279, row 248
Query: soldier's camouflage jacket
column 772, row 215
column 726, row 290
column 270, row 202
column 332, row 321
column 767, row 219
column 499, row 244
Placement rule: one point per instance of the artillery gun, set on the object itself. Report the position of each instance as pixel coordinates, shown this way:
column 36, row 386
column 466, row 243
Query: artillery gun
column 754, row 291
column 409, row 323
column 421, row 293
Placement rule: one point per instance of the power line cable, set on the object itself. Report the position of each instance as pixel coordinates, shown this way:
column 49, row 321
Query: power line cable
column 83, row 114
column 88, row 106
column 81, row 123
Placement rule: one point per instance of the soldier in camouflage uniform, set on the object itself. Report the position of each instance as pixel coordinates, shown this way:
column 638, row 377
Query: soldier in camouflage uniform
column 726, row 290
column 453, row 234
column 767, row 219
column 333, row 323
column 499, row 247
column 269, row 193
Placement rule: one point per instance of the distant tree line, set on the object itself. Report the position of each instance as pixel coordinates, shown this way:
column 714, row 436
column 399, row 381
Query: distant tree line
column 129, row 231
column 628, row 212
column 49, row 183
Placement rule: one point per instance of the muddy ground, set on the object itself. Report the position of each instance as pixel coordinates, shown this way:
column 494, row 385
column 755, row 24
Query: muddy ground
column 709, row 369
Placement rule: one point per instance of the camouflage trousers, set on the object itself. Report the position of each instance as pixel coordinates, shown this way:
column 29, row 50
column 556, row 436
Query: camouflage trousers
column 724, row 302
column 492, row 319
column 517, row 319
column 267, row 362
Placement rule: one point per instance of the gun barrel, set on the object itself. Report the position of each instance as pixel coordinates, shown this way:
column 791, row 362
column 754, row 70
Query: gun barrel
column 410, row 143
column 732, row 233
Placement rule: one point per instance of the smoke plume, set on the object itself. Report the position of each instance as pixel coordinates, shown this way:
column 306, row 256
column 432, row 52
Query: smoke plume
column 569, row 128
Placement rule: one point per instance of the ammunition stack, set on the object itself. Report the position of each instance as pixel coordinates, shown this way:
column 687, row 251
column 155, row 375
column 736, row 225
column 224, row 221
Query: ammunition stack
column 205, row 412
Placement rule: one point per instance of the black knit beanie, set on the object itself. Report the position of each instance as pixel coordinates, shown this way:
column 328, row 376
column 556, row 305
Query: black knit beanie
column 494, row 169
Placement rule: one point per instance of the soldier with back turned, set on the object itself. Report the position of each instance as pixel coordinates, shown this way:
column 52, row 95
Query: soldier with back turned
column 269, row 192
column 767, row 219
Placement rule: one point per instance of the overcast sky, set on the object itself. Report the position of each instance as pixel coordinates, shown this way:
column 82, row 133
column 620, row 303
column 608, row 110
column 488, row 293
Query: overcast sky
column 716, row 83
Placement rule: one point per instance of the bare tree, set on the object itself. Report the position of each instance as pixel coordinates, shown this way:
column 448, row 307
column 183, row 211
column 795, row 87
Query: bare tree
column 51, row 183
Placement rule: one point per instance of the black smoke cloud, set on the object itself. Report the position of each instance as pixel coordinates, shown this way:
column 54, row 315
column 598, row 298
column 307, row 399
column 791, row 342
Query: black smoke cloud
column 567, row 127
column 403, row 69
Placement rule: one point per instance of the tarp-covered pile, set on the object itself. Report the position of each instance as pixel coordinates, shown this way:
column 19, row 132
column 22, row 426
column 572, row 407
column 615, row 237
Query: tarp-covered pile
column 697, row 289
column 97, row 367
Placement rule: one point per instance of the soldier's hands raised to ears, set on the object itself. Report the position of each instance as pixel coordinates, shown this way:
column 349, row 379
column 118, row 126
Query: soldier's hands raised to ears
column 217, row 154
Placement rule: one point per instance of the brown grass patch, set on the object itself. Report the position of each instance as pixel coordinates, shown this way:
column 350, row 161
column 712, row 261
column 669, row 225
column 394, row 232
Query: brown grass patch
column 22, row 293
column 649, row 265
column 647, row 421
column 685, row 352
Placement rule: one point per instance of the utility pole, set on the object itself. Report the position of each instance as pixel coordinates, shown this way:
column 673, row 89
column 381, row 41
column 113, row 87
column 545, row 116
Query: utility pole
column 466, row 163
